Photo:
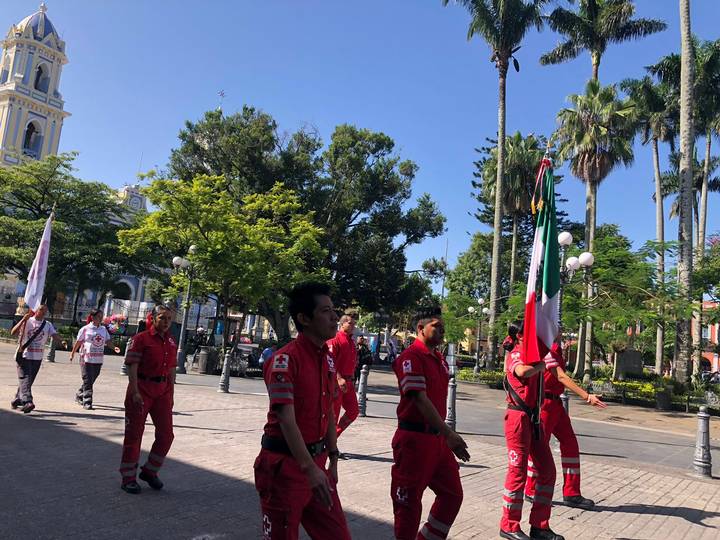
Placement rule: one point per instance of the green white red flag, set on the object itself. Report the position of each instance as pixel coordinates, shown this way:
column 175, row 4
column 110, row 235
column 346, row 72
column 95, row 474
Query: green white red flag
column 542, row 304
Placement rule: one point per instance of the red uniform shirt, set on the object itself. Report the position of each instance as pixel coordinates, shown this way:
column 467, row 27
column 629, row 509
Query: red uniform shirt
column 303, row 375
column 420, row 369
column 525, row 387
column 554, row 359
column 342, row 347
column 154, row 354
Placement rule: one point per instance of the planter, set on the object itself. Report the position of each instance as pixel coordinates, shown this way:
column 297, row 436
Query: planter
column 663, row 399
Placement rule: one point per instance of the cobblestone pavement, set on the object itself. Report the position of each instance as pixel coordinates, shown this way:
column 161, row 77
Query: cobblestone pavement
column 60, row 480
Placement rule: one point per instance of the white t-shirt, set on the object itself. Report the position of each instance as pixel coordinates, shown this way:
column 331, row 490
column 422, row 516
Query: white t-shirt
column 36, row 348
column 93, row 340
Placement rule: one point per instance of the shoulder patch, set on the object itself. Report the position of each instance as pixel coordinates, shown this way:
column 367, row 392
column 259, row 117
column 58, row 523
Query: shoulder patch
column 331, row 363
column 280, row 362
column 407, row 366
column 515, row 355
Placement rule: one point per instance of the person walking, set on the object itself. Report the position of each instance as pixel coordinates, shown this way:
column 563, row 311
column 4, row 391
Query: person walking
column 525, row 441
column 292, row 476
column 33, row 331
column 151, row 381
column 364, row 358
column 91, row 340
column 423, row 445
column 342, row 348
column 556, row 421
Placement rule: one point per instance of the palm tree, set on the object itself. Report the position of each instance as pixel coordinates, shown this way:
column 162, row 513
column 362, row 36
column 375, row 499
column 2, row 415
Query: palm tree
column 523, row 156
column 687, row 139
column 707, row 107
column 595, row 135
column 503, row 24
column 656, row 110
column 595, row 25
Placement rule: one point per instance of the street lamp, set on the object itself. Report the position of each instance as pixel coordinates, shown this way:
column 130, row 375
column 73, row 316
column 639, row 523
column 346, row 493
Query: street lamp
column 181, row 264
column 472, row 310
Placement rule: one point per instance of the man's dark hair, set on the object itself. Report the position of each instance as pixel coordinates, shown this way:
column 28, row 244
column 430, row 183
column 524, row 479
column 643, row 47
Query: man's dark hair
column 515, row 328
column 425, row 315
column 302, row 299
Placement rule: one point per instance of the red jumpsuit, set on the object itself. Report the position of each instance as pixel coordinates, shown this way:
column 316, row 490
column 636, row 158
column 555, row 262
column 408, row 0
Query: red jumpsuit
column 556, row 421
column 522, row 445
column 303, row 375
column 155, row 356
column 344, row 352
column 422, row 458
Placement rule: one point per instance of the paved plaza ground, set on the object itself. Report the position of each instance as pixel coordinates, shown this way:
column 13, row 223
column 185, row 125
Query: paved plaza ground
column 60, row 480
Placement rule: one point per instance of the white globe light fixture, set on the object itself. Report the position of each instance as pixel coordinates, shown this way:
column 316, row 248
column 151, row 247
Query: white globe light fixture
column 485, row 310
column 177, row 261
column 192, row 249
column 586, row 259
column 565, row 238
column 573, row 263
column 481, row 301
column 471, row 310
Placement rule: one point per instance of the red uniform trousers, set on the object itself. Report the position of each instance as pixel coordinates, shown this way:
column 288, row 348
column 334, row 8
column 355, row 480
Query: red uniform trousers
column 556, row 421
column 158, row 402
column 349, row 403
column 423, row 460
column 522, row 445
column 287, row 501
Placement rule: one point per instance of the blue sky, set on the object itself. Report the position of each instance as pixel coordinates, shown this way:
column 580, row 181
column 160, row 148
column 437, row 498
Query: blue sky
column 139, row 69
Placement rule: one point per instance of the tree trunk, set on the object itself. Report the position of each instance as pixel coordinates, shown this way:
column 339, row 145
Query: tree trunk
column 590, row 220
column 513, row 254
column 685, row 256
column 497, row 222
column 595, row 65
column 279, row 320
column 78, row 294
column 704, row 199
column 660, row 233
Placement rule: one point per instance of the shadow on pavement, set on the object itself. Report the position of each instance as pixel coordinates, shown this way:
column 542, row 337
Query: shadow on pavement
column 689, row 444
column 602, row 455
column 693, row 515
column 62, row 483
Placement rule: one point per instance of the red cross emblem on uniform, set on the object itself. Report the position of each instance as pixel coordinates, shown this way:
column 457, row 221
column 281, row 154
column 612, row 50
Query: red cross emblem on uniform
column 97, row 340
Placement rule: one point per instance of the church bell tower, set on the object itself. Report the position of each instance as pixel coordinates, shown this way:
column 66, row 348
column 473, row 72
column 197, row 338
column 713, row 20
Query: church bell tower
column 31, row 106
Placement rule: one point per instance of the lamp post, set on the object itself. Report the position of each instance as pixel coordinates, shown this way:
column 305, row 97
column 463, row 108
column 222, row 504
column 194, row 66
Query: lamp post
column 183, row 265
column 472, row 310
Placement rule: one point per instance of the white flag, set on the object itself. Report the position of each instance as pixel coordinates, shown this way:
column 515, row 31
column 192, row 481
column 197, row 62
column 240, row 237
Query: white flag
column 36, row 277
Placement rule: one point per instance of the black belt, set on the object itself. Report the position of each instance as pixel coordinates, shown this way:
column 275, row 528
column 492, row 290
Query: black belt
column 548, row 395
column 158, row 379
column 272, row 444
column 417, row 427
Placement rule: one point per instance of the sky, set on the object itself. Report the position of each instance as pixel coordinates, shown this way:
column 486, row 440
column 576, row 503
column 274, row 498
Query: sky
column 138, row 70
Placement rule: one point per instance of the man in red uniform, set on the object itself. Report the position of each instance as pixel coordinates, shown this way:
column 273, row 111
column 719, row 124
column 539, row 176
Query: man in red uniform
column 342, row 347
column 151, row 380
column 423, row 444
column 523, row 442
column 556, row 422
column 291, row 477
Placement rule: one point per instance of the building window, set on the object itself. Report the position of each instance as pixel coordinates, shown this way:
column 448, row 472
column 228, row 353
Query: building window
column 32, row 140
column 706, row 332
column 42, row 78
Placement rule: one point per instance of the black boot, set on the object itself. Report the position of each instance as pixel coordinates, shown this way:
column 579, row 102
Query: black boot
column 133, row 488
column 544, row 534
column 578, row 501
column 15, row 403
column 152, row 480
column 517, row 535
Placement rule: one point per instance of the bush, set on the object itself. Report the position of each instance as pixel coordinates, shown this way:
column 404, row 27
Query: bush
column 492, row 378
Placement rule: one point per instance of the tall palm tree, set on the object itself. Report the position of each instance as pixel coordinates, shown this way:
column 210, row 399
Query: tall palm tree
column 502, row 24
column 595, row 25
column 687, row 139
column 523, row 156
column 595, row 135
column 656, row 111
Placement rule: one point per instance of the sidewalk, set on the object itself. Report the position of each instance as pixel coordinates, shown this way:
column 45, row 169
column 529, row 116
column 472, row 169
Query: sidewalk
column 60, row 464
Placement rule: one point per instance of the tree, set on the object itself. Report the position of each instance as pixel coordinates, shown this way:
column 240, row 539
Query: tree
column 522, row 161
column 84, row 246
column 657, row 111
column 502, row 24
column 687, row 138
column 595, row 25
column 248, row 255
column 358, row 192
column 596, row 136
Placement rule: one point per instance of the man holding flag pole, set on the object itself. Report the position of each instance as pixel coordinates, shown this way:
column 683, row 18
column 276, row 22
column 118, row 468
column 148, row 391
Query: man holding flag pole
column 33, row 330
column 530, row 342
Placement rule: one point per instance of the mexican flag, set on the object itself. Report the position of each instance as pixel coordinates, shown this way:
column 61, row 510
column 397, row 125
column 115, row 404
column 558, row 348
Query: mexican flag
column 36, row 277
column 542, row 305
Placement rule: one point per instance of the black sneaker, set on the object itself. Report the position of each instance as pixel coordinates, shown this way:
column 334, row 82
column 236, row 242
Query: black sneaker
column 578, row 501
column 152, row 480
column 517, row 535
column 88, row 407
column 28, row 407
column 78, row 400
column 544, row 534
column 342, row 456
column 15, row 403
column 133, row 488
